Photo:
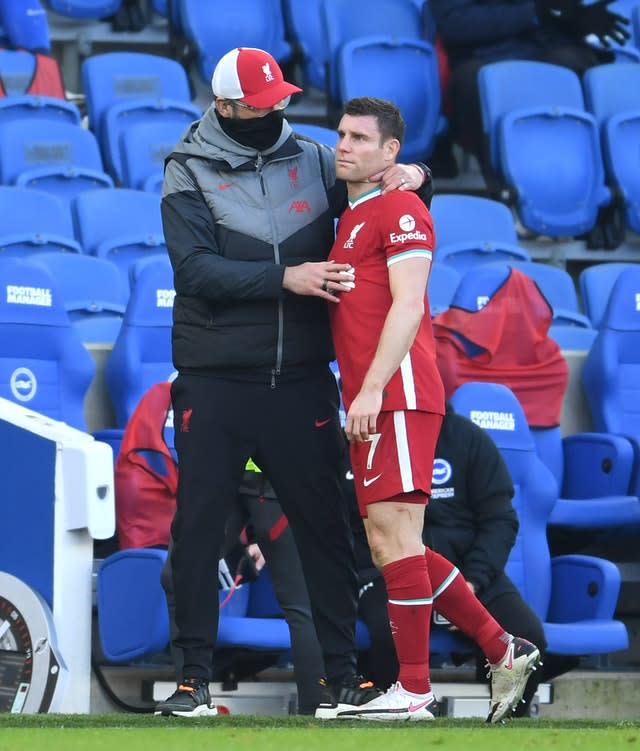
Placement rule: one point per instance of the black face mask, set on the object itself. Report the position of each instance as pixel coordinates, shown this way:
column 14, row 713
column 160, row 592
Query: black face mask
column 257, row 133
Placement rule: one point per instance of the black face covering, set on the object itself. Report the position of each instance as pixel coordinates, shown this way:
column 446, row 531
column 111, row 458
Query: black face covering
column 257, row 133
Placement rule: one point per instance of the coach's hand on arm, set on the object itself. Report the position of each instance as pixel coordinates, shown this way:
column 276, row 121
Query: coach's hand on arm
column 321, row 279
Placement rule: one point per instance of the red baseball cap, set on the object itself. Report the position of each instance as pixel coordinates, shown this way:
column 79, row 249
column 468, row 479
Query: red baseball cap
column 252, row 76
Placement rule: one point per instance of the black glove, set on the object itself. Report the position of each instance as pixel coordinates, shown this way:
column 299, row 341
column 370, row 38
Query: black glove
column 556, row 12
column 598, row 20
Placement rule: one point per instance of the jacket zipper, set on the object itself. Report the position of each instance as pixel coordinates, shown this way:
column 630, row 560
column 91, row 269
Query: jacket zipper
column 275, row 372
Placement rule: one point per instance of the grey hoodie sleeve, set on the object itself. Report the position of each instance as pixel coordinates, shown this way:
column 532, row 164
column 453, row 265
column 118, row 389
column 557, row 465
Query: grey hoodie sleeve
column 199, row 268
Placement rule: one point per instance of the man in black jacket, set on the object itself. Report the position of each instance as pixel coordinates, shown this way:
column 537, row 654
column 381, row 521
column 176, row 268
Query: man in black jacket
column 470, row 521
column 248, row 214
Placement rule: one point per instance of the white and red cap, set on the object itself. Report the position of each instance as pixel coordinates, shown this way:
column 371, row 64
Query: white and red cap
column 252, row 76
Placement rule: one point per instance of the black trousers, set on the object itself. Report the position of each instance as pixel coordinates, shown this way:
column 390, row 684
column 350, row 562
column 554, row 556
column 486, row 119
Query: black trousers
column 287, row 579
column 293, row 433
column 509, row 609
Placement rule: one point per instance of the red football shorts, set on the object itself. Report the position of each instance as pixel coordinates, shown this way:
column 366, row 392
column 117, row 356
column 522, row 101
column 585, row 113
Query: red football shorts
column 397, row 460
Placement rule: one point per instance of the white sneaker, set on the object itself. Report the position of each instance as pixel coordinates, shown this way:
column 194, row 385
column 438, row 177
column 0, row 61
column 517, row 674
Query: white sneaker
column 510, row 676
column 398, row 704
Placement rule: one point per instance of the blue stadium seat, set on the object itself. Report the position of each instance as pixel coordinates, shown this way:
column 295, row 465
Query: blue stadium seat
column 133, row 615
column 593, row 472
column 114, row 77
column 141, row 355
column 136, row 234
column 143, row 148
column 93, row 293
column 24, row 25
column 442, row 285
column 57, row 157
column 595, row 283
column 127, row 88
column 484, row 220
column 543, row 145
column 570, row 337
column 318, row 133
column 241, row 23
column 575, row 596
column 612, row 94
column 151, row 114
column 43, row 364
column 89, row 9
column 33, row 221
column 345, row 21
column 635, row 22
column 465, row 256
column 303, row 25
column 373, row 65
column 41, row 107
column 611, row 371
column 487, row 234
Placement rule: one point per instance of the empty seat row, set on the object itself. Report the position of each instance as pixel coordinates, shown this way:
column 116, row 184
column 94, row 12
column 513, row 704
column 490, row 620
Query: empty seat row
column 116, row 224
column 562, row 154
column 44, row 364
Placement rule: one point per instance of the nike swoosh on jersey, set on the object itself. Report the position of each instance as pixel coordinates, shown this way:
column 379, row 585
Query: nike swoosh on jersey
column 369, row 480
column 322, row 423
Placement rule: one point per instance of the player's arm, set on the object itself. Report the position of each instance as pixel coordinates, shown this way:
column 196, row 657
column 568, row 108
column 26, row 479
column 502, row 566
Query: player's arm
column 408, row 282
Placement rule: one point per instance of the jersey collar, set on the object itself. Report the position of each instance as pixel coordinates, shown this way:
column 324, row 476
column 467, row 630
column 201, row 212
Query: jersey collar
column 373, row 193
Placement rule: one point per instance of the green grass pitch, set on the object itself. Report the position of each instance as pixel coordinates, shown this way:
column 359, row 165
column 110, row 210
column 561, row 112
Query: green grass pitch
column 123, row 732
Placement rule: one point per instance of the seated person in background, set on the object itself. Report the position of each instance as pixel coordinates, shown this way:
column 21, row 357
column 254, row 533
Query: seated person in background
column 470, row 521
column 145, row 489
column 476, row 32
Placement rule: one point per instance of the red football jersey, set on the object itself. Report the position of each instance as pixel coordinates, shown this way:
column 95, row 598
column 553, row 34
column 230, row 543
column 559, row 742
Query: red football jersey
column 375, row 232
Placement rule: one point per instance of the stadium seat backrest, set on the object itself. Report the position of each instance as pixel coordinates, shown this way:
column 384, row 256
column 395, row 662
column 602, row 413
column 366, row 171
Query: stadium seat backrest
column 93, row 292
column 122, row 116
column 17, row 69
column 596, row 283
column 613, row 95
column 303, row 24
column 33, row 221
column 119, row 224
column 459, row 218
column 116, row 76
column 242, row 23
column 518, row 84
column 141, row 355
column 318, row 133
column 40, row 107
column 442, row 285
column 43, row 363
column 495, row 408
column 612, row 88
column 373, row 65
column 27, row 144
column 543, row 145
column 89, row 9
column 344, row 20
column 143, row 148
column 611, row 371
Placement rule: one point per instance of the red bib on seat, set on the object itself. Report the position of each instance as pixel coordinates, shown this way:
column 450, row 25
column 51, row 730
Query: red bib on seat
column 506, row 342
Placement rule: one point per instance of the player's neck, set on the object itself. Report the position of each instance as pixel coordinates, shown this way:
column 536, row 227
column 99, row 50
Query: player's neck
column 357, row 189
